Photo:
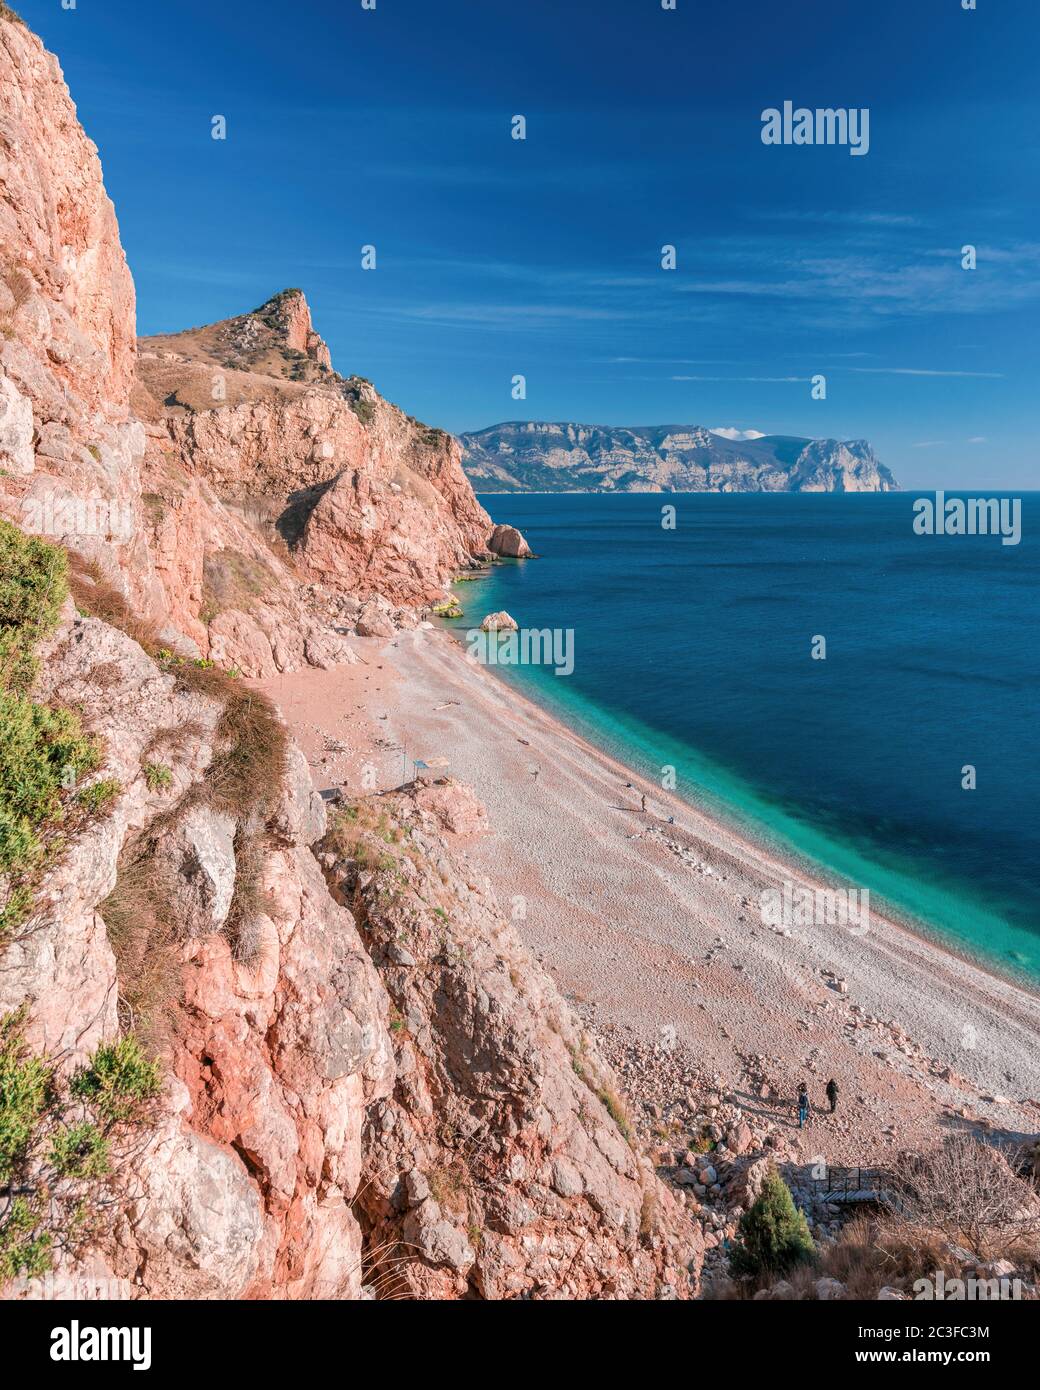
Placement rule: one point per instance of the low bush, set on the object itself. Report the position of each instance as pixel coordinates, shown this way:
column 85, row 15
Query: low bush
column 43, row 750
column 61, row 1145
column 117, row 1081
column 773, row 1235
column 157, row 776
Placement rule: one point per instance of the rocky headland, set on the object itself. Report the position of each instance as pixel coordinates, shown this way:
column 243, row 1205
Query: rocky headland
column 538, row 456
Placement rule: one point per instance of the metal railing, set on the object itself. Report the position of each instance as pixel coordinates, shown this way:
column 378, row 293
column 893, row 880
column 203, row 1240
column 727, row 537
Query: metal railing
column 853, row 1185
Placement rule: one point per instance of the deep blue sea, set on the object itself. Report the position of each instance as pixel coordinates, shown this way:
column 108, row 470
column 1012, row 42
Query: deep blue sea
column 693, row 648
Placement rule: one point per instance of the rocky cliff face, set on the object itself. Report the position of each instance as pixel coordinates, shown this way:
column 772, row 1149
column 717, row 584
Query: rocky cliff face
column 310, row 1026
column 211, row 473
column 503, row 1163
column 529, row 456
column 361, row 496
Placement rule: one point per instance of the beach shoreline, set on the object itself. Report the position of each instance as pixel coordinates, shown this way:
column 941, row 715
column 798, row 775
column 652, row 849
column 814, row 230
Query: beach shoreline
column 653, row 930
column 785, row 857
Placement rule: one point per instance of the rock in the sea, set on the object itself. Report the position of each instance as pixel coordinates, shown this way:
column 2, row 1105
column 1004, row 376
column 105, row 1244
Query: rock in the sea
column 498, row 622
column 507, row 540
column 449, row 608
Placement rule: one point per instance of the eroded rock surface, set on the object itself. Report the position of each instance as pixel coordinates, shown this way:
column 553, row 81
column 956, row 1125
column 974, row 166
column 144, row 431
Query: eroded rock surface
column 503, row 1164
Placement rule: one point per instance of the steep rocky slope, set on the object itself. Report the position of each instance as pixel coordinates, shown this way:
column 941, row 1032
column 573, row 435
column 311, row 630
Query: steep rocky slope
column 213, row 474
column 159, row 896
column 504, row 1155
column 363, row 496
column 530, row 456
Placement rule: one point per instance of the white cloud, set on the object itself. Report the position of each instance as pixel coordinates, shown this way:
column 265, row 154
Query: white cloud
column 727, row 433
column 921, row 371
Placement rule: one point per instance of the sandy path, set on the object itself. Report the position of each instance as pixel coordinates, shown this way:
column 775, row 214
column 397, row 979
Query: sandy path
column 653, row 929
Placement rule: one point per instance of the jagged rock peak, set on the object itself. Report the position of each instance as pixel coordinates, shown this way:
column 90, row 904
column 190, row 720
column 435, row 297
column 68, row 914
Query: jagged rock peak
column 276, row 340
column 289, row 315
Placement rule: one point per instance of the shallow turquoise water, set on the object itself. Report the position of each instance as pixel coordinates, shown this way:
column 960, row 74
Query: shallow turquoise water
column 692, row 649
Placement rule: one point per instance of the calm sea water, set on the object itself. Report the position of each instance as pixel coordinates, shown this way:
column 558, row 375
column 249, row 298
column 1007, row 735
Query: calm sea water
column 692, row 648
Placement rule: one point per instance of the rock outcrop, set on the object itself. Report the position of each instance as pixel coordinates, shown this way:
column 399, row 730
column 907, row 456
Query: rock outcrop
column 212, row 472
column 532, row 456
column 196, row 914
column 507, row 540
column 503, row 1164
column 498, row 622
column 355, row 492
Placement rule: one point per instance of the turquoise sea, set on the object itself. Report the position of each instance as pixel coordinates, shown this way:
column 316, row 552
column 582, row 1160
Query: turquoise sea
column 693, row 647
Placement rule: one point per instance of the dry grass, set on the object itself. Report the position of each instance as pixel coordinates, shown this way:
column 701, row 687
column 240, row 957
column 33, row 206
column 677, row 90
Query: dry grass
column 143, row 932
column 449, row 1184
column 240, row 928
column 232, row 580
column 94, row 595
column 246, row 776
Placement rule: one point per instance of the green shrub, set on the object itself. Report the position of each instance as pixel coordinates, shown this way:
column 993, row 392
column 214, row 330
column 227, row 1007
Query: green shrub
column 157, row 776
column 80, row 1151
column 33, row 586
column 773, row 1235
column 15, row 910
column 60, row 1145
column 24, row 1092
column 99, row 796
column 118, row 1081
column 43, row 751
column 24, row 1248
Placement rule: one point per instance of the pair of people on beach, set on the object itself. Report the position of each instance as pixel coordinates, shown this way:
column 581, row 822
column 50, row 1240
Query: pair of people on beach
column 831, row 1092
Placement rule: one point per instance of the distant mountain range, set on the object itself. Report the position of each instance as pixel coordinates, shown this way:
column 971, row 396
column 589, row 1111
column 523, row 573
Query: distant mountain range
column 533, row 456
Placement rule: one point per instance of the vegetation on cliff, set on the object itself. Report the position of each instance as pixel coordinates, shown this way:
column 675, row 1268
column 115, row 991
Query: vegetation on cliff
column 44, row 751
column 62, row 1143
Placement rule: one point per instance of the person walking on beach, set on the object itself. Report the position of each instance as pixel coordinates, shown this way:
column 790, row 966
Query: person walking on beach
column 832, row 1094
column 803, row 1105
column 643, row 805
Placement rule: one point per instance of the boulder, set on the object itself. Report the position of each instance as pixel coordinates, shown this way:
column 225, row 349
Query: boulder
column 374, row 621
column 507, row 540
column 829, row 1289
column 499, row 622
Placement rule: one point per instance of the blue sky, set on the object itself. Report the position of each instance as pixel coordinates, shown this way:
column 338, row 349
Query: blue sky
column 542, row 257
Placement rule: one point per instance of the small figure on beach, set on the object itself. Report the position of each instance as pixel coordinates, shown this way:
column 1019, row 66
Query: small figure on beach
column 832, row 1094
column 803, row 1105
column 642, row 805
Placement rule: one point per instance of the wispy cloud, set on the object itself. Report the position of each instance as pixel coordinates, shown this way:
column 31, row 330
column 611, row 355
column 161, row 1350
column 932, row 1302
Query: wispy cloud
column 922, row 371
column 740, row 378
column 834, row 217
